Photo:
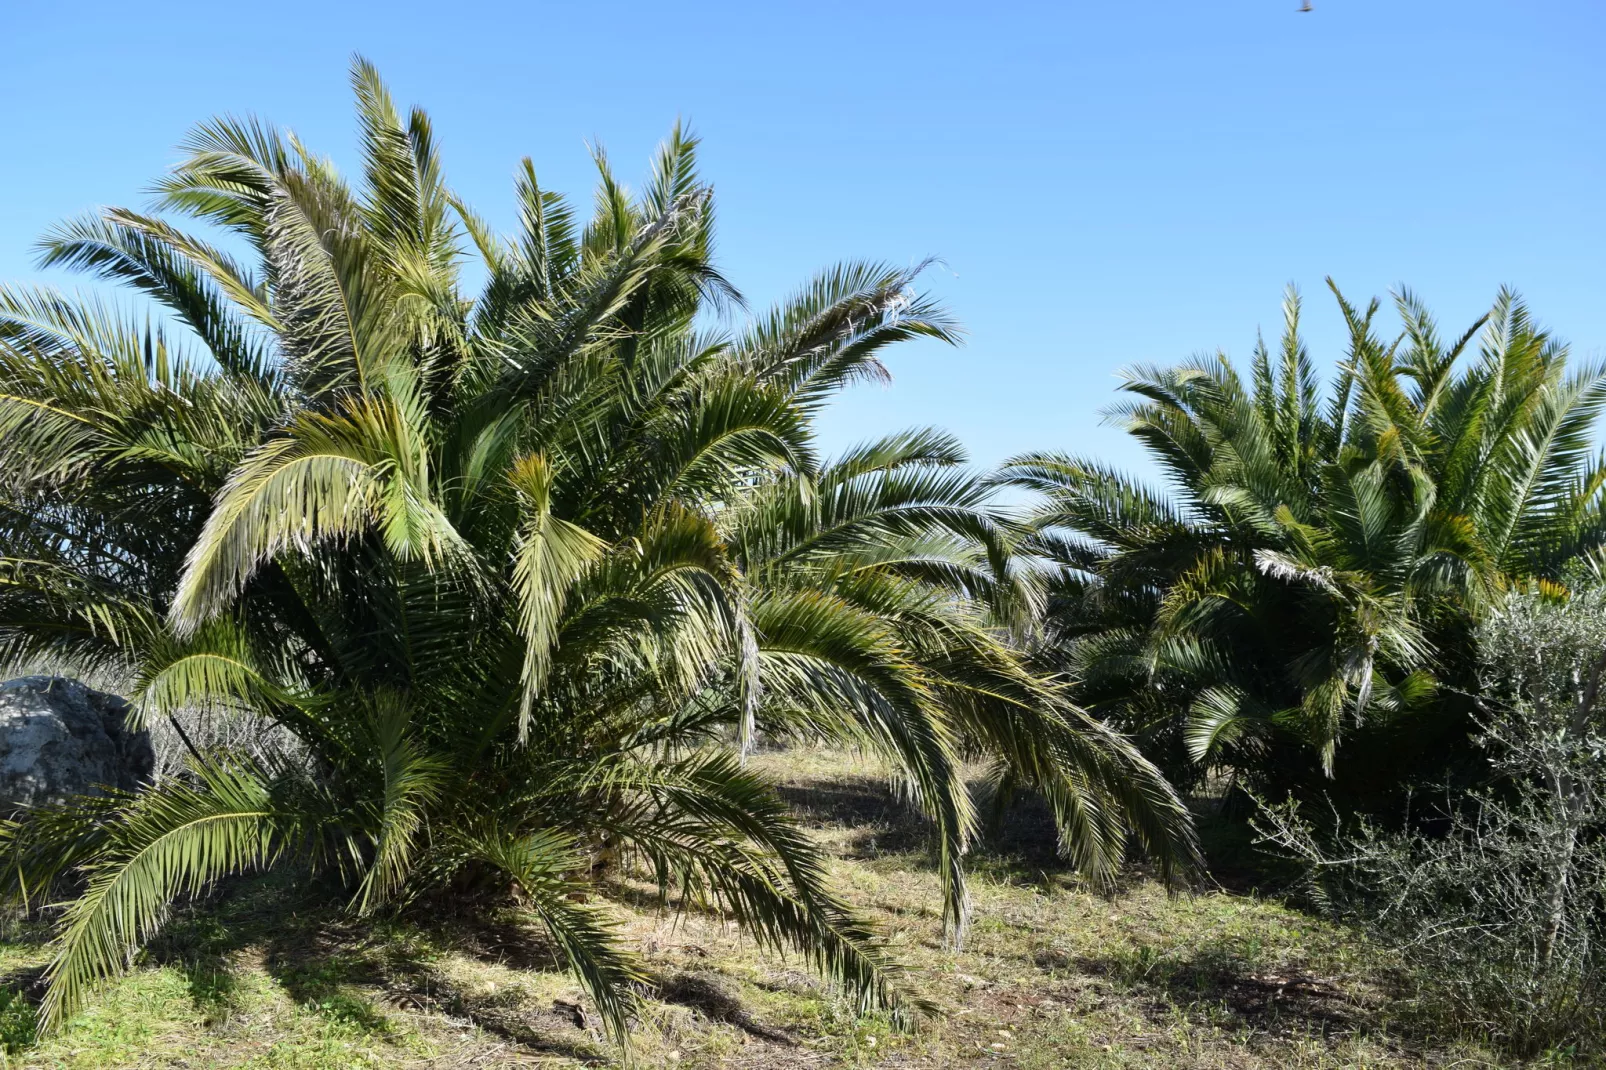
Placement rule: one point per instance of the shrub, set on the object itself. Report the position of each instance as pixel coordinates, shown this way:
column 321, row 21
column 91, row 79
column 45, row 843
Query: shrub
column 1495, row 899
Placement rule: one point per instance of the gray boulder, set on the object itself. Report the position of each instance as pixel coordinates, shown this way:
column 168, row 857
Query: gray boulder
column 60, row 738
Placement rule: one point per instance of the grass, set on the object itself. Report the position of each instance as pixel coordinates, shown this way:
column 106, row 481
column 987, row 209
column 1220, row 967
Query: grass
column 1053, row 974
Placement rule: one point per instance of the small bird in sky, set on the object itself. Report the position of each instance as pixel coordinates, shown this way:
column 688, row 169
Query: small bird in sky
column 1306, row 6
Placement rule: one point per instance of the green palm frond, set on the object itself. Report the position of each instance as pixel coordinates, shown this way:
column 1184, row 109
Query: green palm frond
column 829, row 335
column 202, row 285
column 411, row 780
column 550, row 558
column 333, row 478
column 173, row 840
column 540, row 863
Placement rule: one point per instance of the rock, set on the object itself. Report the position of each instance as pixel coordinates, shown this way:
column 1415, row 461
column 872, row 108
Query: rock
column 59, row 738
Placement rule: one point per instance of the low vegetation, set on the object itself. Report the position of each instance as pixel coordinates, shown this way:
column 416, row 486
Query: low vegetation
column 1054, row 973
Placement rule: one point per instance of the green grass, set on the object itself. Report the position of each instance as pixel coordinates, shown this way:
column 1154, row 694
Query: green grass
column 1052, row 974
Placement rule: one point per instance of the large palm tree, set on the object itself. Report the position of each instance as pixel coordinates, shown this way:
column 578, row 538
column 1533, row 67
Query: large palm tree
column 1313, row 562
column 523, row 575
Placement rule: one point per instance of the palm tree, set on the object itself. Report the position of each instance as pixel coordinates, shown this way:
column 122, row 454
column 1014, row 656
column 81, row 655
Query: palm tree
column 1314, row 562
column 523, row 575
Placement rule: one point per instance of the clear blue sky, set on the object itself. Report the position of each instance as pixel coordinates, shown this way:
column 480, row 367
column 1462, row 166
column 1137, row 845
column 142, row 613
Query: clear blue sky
column 1108, row 182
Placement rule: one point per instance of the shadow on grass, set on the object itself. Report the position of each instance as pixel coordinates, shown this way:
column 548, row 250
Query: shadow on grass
column 336, row 967
column 1220, row 977
column 880, row 822
column 1019, row 842
column 712, row 996
column 197, row 943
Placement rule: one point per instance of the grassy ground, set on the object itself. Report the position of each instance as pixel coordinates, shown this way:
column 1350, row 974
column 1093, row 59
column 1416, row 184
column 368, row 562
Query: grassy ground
column 1052, row 975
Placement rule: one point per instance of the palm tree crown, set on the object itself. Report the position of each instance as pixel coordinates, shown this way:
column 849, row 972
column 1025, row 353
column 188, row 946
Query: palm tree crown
column 1315, row 560
column 523, row 574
